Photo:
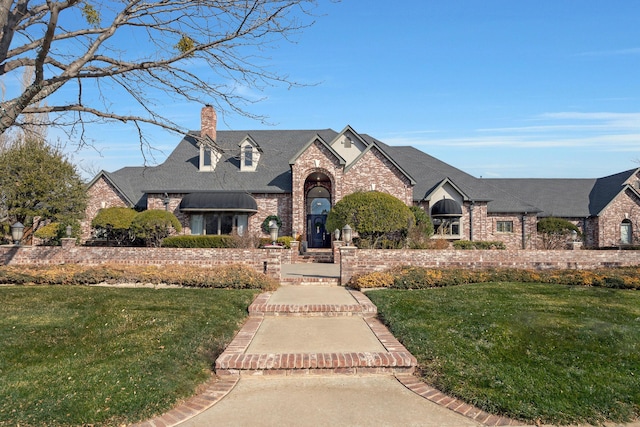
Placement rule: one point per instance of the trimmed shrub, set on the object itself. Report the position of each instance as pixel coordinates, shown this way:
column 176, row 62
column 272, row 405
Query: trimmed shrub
column 467, row 244
column 554, row 232
column 231, row 276
column 48, row 233
column 224, row 241
column 371, row 214
column 284, row 241
column 114, row 224
column 54, row 231
column 411, row 277
column 154, row 225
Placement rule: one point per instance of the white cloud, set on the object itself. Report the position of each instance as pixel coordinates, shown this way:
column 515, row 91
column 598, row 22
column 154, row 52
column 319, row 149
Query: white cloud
column 600, row 131
column 613, row 52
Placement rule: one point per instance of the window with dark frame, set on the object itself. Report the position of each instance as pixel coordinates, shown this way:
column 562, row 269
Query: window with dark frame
column 504, row 226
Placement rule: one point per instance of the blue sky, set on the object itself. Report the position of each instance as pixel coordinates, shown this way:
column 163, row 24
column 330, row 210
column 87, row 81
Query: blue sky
column 495, row 88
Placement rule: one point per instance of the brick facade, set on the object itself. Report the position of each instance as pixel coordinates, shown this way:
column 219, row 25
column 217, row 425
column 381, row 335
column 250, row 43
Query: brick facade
column 360, row 166
column 272, row 204
column 102, row 194
column 624, row 207
column 374, row 172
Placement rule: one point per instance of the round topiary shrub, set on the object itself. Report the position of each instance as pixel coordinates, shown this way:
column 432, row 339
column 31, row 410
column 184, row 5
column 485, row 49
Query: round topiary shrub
column 154, row 225
column 372, row 214
column 114, row 223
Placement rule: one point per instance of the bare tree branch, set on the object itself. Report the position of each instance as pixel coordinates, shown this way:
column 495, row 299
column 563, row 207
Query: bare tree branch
column 193, row 50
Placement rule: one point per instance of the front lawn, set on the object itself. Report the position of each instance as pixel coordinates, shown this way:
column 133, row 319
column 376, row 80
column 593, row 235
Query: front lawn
column 536, row 352
column 72, row 355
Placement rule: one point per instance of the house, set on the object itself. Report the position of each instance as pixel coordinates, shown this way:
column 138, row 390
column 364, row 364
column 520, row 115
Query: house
column 217, row 182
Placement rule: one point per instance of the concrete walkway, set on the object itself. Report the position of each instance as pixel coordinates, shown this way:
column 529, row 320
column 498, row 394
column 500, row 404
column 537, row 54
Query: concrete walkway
column 318, row 356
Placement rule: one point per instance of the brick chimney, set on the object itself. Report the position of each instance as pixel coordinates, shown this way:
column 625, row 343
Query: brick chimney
column 208, row 122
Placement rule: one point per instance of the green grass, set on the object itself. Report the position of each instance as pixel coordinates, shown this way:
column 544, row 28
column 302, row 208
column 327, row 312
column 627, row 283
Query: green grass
column 535, row 352
column 107, row 356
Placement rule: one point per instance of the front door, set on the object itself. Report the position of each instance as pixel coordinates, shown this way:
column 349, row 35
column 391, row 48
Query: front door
column 317, row 235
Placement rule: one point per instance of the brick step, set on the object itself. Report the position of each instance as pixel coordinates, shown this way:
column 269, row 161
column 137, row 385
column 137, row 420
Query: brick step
column 312, row 257
column 235, row 360
column 362, row 307
column 349, row 363
column 310, row 281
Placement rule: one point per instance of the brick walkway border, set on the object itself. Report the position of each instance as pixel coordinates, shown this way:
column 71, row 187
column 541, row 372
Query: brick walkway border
column 397, row 361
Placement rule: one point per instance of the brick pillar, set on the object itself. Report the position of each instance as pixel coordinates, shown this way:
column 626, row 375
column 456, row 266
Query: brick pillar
column 273, row 261
column 348, row 263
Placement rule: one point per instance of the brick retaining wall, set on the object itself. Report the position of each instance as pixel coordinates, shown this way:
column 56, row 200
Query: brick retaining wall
column 87, row 255
column 357, row 261
column 353, row 261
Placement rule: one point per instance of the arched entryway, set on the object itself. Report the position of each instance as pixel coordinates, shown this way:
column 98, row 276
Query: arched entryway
column 317, row 205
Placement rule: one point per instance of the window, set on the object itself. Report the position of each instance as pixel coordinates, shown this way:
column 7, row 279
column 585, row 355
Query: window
column 219, row 223
column 209, row 156
column 206, row 161
column 196, row 224
column 248, row 156
column 626, row 232
column 504, row 226
column 449, row 227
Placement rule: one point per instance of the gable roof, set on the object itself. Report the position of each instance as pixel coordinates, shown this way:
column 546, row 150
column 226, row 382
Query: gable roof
column 429, row 173
column 578, row 198
column 322, row 142
column 180, row 173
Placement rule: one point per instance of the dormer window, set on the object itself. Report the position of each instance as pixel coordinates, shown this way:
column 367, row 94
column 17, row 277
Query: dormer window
column 248, row 156
column 250, row 153
column 209, row 156
column 206, row 160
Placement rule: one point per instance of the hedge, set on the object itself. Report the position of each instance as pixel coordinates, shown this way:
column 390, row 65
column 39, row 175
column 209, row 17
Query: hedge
column 468, row 244
column 409, row 277
column 217, row 241
column 227, row 277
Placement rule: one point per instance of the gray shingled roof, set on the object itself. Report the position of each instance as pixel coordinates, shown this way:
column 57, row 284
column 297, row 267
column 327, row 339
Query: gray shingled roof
column 179, row 173
column 576, row 198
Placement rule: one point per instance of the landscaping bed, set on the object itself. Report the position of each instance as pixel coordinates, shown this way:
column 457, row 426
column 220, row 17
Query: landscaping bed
column 228, row 277
column 410, row 277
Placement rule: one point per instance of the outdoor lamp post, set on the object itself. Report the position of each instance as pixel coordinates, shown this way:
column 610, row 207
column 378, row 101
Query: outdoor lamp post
column 17, row 231
column 273, row 231
column 346, row 234
column 68, row 230
column 336, row 234
column 574, row 235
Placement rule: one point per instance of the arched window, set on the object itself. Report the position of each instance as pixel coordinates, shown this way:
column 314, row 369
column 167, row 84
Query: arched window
column 626, row 232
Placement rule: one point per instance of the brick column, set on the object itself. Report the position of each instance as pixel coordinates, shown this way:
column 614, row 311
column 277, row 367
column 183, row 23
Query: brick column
column 348, row 262
column 272, row 264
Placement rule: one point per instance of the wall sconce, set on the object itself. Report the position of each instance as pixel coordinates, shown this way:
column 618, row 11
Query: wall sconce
column 165, row 201
column 346, row 234
column 17, row 232
column 273, row 232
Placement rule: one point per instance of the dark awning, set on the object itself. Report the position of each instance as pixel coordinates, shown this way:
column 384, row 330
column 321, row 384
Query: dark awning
column 446, row 208
column 220, row 201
